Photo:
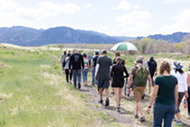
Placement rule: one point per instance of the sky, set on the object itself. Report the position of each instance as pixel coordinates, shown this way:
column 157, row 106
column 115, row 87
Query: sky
column 113, row 17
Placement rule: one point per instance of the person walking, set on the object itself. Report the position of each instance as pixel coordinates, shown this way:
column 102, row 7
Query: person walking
column 102, row 74
column 152, row 66
column 166, row 94
column 94, row 67
column 144, row 64
column 188, row 99
column 86, row 69
column 118, row 80
column 90, row 60
column 117, row 55
column 63, row 56
column 77, row 64
column 66, row 68
column 182, row 87
column 139, row 75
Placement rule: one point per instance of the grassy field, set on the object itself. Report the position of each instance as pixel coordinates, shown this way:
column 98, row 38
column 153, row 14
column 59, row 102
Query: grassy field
column 33, row 92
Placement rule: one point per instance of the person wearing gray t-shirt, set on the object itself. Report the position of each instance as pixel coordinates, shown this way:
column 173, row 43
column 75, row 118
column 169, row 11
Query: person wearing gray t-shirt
column 102, row 74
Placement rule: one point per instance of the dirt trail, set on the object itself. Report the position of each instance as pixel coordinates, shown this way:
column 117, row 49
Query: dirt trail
column 125, row 116
column 110, row 110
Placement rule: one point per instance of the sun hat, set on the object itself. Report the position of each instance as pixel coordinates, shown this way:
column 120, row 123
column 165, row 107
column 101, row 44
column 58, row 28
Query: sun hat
column 177, row 65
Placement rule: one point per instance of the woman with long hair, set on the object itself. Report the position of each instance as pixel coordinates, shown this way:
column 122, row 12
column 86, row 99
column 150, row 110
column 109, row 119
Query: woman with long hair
column 182, row 87
column 86, row 68
column 118, row 80
column 166, row 94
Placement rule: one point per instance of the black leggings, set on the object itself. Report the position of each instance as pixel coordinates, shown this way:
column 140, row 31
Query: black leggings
column 67, row 75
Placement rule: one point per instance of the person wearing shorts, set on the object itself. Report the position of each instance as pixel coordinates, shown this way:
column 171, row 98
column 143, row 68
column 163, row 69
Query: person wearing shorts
column 138, row 91
column 102, row 74
column 118, row 80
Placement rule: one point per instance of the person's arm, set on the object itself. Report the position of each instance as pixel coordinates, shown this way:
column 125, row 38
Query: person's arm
column 176, row 96
column 152, row 98
column 150, row 83
column 126, row 73
column 70, row 63
column 96, row 70
column 63, row 64
column 112, row 72
column 156, row 69
column 82, row 62
column 188, row 79
column 129, row 83
column 185, row 85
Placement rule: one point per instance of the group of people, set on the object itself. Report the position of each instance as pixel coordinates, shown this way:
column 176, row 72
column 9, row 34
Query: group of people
column 169, row 87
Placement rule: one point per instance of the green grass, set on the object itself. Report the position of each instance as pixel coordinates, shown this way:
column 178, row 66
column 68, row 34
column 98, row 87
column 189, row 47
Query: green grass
column 32, row 92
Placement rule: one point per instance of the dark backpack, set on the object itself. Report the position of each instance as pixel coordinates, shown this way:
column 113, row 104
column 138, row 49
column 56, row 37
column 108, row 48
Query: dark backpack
column 140, row 76
column 153, row 66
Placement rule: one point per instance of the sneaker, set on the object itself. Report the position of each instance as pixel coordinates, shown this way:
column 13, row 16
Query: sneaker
column 142, row 119
column 100, row 101
column 79, row 85
column 118, row 109
column 178, row 123
column 136, row 116
column 107, row 102
column 70, row 82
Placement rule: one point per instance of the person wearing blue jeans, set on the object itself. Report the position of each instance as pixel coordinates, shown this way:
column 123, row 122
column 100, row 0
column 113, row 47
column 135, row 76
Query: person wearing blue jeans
column 76, row 75
column 85, row 74
column 77, row 64
column 166, row 94
column 163, row 112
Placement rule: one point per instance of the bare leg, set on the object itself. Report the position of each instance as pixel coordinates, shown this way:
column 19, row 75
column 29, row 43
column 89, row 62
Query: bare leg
column 136, row 109
column 120, row 95
column 116, row 96
column 107, row 93
column 139, row 106
column 100, row 93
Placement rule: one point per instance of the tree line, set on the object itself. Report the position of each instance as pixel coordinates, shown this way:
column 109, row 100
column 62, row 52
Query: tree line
column 150, row 46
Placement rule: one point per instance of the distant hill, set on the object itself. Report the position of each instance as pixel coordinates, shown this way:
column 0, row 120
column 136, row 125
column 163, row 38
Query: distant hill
column 25, row 36
column 172, row 38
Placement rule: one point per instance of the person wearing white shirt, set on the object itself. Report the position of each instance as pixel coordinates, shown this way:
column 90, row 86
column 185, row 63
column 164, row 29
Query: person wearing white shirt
column 182, row 87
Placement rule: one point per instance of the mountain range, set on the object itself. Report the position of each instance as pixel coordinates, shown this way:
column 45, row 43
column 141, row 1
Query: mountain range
column 26, row 36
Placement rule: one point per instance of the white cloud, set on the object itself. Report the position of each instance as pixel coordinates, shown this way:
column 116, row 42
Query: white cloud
column 125, row 5
column 88, row 5
column 175, row 1
column 181, row 23
column 33, row 16
column 134, row 22
column 70, row 8
column 6, row 5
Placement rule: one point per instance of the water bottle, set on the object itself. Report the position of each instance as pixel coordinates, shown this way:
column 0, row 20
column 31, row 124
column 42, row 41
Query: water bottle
column 185, row 103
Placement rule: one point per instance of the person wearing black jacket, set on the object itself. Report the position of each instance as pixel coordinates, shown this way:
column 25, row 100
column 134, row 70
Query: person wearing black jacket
column 77, row 63
column 152, row 66
column 117, row 55
column 118, row 80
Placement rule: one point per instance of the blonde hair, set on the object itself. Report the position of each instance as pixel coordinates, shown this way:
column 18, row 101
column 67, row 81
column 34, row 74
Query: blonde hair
column 164, row 66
